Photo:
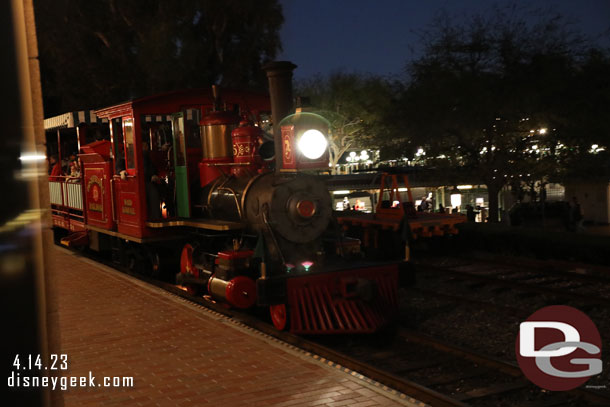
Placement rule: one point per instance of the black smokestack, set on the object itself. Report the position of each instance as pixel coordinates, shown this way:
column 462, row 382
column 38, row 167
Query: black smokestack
column 279, row 74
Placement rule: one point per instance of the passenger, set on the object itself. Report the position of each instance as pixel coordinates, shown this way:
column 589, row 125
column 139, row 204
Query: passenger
column 153, row 195
column 441, row 208
column 120, row 163
column 54, row 166
column 65, row 166
column 74, row 169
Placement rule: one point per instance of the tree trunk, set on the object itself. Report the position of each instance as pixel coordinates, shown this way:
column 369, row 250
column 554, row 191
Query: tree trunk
column 493, row 189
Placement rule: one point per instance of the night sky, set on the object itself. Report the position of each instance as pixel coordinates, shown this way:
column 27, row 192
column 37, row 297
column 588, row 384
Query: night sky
column 379, row 36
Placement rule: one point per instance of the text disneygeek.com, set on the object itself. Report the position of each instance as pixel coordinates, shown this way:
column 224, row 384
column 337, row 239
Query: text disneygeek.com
column 16, row 380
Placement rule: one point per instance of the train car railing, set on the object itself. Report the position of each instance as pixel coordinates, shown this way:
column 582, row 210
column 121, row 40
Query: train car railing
column 66, row 196
column 74, row 193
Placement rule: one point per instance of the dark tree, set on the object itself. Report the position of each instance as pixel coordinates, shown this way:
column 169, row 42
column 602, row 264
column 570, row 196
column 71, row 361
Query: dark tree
column 95, row 53
column 497, row 96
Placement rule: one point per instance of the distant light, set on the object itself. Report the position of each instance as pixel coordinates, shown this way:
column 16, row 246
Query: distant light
column 403, row 189
column 307, row 265
column 542, row 131
column 456, row 200
column 32, row 157
column 341, row 192
column 352, row 154
column 464, row 187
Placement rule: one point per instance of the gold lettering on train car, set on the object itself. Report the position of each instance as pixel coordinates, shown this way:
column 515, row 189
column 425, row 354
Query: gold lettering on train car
column 128, row 210
column 95, row 207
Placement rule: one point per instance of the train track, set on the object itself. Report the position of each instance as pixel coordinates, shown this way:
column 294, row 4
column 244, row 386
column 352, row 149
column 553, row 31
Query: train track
column 466, row 376
column 560, row 284
column 451, row 364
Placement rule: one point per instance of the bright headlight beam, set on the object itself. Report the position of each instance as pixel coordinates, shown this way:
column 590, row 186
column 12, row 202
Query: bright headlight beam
column 313, row 144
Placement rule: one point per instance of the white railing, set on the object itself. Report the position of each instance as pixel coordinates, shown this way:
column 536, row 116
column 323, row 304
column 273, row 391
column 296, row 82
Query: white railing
column 65, row 191
column 55, row 192
column 74, row 193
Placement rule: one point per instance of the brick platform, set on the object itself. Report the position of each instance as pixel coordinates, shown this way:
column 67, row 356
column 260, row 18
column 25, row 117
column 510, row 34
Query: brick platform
column 179, row 354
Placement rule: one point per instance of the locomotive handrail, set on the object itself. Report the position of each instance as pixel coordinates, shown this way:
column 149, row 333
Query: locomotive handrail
column 265, row 212
column 114, row 220
column 232, row 192
column 228, row 164
column 211, row 224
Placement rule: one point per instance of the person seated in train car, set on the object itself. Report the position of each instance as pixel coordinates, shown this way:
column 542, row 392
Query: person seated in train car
column 74, row 169
column 65, row 165
column 120, row 167
column 153, row 184
column 54, row 166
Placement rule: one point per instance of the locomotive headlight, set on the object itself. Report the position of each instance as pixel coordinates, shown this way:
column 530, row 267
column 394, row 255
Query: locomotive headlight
column 312, row 144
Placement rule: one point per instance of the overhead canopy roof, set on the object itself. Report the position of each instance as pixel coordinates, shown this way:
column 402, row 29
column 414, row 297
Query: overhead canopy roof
column 72, row 119
column 163, row 104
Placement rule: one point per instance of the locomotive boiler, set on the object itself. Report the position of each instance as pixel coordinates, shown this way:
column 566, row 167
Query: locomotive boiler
column 248, row 221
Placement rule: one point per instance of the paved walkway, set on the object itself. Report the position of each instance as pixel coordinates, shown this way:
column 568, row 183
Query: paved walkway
column 178, row 353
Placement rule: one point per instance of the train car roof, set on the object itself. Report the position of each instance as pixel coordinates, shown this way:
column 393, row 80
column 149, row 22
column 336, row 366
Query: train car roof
column 72, row 119
column 171, row 102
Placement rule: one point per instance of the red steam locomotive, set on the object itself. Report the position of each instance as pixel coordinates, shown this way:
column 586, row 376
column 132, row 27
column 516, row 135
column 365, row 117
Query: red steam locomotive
column 174, row 181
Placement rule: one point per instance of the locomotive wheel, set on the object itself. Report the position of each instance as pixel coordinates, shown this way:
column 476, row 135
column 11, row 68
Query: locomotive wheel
column 152, row 264
column 133, row 260
column 187, row 268
column 280, row 316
